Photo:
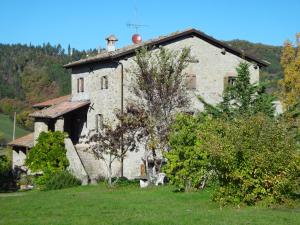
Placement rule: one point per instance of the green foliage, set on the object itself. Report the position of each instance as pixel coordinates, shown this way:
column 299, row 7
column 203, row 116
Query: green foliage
column 24, row 120
column 49, row 154
column 7, row 181
column 124, row 182
column 187, row 163
column 4, row 164
column 242, row 98
column 60, row 180
column 256, row 159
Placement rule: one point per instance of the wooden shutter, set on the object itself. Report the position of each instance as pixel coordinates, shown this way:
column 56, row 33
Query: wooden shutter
column 191, row 82
column 225, row 82
column 77, row 85
column 106, row 82
column 99, row 122
column 81, row 84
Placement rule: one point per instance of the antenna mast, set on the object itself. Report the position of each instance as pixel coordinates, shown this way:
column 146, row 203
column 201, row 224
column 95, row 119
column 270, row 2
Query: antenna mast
column 136, row 38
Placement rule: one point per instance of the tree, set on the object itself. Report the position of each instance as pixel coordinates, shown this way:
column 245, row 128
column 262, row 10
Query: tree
column 187, row 164
column 290, row 84
column 242, row 98
column 114, row 141
column 161, row 92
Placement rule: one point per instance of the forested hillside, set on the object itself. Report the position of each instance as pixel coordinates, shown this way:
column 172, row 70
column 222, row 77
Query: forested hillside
column 29, row 74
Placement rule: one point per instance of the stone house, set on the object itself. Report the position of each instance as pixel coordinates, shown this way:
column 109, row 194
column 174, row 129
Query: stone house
column 101, row 84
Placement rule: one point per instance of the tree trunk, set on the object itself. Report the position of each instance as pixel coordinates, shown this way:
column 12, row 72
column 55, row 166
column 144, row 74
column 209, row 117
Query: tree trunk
column 109, row 171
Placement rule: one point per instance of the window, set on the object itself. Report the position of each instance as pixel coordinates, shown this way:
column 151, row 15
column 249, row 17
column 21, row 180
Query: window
column 104, row 82
column 229, row 81
column 191, row 82
column 80, row 85
column 99, row 122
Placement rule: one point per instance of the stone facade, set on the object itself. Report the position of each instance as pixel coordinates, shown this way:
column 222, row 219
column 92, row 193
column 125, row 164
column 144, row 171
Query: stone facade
column 210, row 68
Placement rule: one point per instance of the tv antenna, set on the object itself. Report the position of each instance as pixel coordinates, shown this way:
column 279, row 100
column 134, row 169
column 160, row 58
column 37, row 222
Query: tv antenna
column 136, row 38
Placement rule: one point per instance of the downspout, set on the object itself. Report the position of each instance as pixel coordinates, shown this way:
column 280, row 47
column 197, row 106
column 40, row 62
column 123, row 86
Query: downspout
column 122, row 111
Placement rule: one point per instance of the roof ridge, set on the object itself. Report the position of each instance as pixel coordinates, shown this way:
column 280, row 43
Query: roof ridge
column 129, row 49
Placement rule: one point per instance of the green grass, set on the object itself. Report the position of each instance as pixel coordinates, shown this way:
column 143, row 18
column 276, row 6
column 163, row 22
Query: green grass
column 132, row 205
column 6, row 127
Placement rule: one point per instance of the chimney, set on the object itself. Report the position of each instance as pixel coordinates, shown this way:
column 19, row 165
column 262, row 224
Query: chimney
column 111, row 41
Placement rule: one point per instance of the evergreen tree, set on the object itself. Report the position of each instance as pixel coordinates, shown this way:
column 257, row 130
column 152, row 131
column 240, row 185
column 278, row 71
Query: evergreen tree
column 242, row 98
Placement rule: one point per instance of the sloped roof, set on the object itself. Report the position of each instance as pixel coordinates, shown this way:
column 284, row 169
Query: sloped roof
column 52, row 102
column 59, row 109
column 130, row 49
column 25, row 141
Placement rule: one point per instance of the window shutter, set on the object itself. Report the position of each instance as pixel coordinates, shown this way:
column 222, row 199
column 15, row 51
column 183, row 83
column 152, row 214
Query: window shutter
column 191, row 81
column 106, row 83
column 99, row 122
column 82, row 85
column 225, row 83
column 77, row 85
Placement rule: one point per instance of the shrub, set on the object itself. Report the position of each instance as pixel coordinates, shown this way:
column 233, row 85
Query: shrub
column 60, row 180
column 186, row 163
column 124, row 181
column 256, row 159
column 48, row 155
column 7, row 180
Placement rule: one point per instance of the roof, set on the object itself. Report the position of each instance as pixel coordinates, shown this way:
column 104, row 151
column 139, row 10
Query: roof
column 130, row 49
column 25, row 141
column 59, row 109
column 52, row 102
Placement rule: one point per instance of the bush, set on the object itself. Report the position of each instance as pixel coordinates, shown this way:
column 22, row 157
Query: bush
column 49, row 154
column 124, row 181
column 256, row 159
column 7, row 180
column 60, row 180
column 186, row 163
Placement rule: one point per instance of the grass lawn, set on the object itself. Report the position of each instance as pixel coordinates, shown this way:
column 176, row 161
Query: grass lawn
column 131, row 205
column 6, row 127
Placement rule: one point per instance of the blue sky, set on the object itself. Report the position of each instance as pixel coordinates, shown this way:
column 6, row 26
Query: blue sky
column 84, row 24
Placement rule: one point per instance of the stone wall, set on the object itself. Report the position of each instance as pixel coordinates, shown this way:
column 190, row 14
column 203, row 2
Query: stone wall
column 76, row 167
column 39, row 127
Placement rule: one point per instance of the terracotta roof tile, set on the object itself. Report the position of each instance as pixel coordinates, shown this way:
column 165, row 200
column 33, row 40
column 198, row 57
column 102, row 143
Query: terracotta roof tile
column 53, row 101
column 160, row 40
column 25, row 141
column 59, row 109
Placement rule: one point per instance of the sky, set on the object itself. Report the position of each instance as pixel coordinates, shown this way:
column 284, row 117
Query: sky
column 85, row 24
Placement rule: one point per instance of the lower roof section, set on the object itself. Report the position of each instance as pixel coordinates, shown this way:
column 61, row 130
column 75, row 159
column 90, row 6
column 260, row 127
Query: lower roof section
column 59, row 109
column 52, row 102
column 25, row 141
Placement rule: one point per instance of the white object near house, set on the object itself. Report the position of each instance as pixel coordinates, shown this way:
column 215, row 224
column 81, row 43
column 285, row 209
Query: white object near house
column 160, row 179
column 102, row 83
column 144, row 183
